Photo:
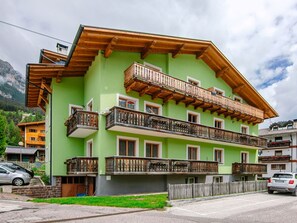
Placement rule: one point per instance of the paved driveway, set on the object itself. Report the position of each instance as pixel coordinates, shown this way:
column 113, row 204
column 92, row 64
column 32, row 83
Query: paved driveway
column 259, row 207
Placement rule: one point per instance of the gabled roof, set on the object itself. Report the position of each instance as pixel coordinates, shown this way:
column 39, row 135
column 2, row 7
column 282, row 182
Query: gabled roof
column 31, row 123
column 20, row 150
column 89, row 40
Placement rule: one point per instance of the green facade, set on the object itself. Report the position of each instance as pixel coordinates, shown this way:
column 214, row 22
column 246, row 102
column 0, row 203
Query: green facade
column 105, row 79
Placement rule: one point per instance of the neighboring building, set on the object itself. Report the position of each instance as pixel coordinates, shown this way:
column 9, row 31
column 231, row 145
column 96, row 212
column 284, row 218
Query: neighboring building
column 20, row 154
column 142, row 111
column 33, row 134
column 280, row 154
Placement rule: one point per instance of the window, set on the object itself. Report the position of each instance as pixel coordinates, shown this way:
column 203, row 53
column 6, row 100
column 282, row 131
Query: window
column 244, row 157
column 278, row 138
column 274, row 128
column 290, row 126
column 74, row 108
column 152, row 108
column 193, row 117
column 152, row 149
column 194, row 81
column 193, row 152
column 89, row 152
column 152, row 67
column 2, row 170
column 244, row 129
column 191, row 180
column 218, row 91
column 278, row 152
column 32, row 130
column 42, row 131
column 219, row 155
column 127, row 102
column 278, row 166
column 218, row 179
column 238, row 99
column 42, row 138
column 90, row 105
column 127, row 146
column 32, row 138
column 219, row 123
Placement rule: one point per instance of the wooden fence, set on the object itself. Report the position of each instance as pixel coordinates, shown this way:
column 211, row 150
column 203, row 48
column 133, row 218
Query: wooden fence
column 186, row 191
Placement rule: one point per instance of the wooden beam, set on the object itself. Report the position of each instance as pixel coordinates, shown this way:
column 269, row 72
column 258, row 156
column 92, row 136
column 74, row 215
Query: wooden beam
column 222, row 72
column 200, row 54
column 43, row 109
column 59, row 77
column 198, row 105
column 238, row 88
column 45, row 86
column 147, row 49
column 167, row 98
column 178, row 101
column 44, row 99
column 110, row 46
column 156, row 94
column 144, row 90
column 190, row 102
column 178, row 50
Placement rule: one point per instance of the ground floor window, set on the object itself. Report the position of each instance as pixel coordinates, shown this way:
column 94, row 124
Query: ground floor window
column 218, row 179
column 191, row 180
column 278, row 166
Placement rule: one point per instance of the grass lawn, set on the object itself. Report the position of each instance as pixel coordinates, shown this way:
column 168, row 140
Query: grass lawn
column 142, row 201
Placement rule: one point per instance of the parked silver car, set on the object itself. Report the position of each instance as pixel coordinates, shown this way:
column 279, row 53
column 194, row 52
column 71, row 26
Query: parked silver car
column 15, row 177
column 283, row 182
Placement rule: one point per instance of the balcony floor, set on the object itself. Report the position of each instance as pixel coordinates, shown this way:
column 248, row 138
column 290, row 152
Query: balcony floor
column 82, row 132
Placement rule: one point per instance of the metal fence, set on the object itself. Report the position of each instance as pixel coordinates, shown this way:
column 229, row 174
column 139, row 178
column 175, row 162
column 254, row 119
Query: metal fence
column 186, row 191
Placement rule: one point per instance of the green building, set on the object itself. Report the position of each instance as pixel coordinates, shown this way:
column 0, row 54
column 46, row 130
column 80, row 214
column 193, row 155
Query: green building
column 130, row 112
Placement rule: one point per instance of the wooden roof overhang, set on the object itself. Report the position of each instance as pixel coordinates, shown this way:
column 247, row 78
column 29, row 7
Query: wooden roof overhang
column 89, row 40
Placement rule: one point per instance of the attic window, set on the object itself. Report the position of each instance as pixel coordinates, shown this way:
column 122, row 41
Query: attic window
column 274, row 128
column 238, row 99
column 290, row 126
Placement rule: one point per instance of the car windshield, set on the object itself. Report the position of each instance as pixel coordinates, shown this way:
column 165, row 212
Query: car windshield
column 282, row 175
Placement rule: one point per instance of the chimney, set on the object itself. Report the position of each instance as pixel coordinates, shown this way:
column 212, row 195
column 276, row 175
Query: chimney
column 62, row 49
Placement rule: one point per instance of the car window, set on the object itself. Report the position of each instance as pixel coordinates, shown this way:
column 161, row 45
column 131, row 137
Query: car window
column 282, row 175
column 2, row 170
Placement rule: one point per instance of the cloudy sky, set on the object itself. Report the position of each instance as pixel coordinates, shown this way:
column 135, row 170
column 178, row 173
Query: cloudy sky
column 258, row 37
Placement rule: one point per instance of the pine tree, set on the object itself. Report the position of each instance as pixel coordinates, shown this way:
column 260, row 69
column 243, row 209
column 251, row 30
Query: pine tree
column 3, row 129
column 13, row 134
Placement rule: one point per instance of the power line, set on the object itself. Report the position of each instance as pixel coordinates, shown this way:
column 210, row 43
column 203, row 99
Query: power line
column 35, row 32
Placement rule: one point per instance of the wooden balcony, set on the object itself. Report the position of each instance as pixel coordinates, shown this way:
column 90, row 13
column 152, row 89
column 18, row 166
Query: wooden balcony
column 249, row 168
column 159, row 85
column 268, row 159
column 126, row 120
column 284, row 143
column 82, row 166
column 82, row 124
column 125, row 165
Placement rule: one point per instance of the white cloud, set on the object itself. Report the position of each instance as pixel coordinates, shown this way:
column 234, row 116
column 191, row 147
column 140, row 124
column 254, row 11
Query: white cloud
column 250, row 33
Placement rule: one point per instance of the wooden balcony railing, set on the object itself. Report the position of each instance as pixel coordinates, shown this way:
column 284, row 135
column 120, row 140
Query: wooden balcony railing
column 135, row 119
column 126, row 165
column 157, row 84
column 274, row 158
column 284, row 143
column 249, row 168
column 82, row 120
column 82, row 165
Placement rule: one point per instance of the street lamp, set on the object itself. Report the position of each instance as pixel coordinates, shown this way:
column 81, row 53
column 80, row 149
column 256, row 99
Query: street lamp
column 51, row 131
column 21, row 144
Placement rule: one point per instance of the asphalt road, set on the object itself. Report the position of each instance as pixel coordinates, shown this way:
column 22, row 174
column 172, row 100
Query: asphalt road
column 259, row 207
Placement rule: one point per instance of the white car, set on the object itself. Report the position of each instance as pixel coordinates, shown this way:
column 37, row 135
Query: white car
column 283, row 182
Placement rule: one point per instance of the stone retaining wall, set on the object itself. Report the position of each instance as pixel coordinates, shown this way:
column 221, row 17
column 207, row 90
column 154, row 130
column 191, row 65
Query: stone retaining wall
column 39, row 191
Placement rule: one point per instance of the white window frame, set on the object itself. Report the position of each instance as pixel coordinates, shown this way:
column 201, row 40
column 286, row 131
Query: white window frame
column 89, row 102
column 153, row 142
column 218, row 89
column 198, row 151
column 153, row 66
column 245, row 126
column 235, row 96
column 128, row 98
column 221, row 120
column 87, row 147
column 223, row 155
column 248, row 156
column 194, row 80
column 154, row 105
column 73, row 105
column 128, row 138
column 193, row 113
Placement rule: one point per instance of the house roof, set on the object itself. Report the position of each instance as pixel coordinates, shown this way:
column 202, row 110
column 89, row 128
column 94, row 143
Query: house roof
column 31, row 123
column 89, row 40
column 268, row 132
column 20, row 150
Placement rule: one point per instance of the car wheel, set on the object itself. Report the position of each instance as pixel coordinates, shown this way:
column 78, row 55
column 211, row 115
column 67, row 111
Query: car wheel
column 270, row 191
column 18, row 182
column 294, row 193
